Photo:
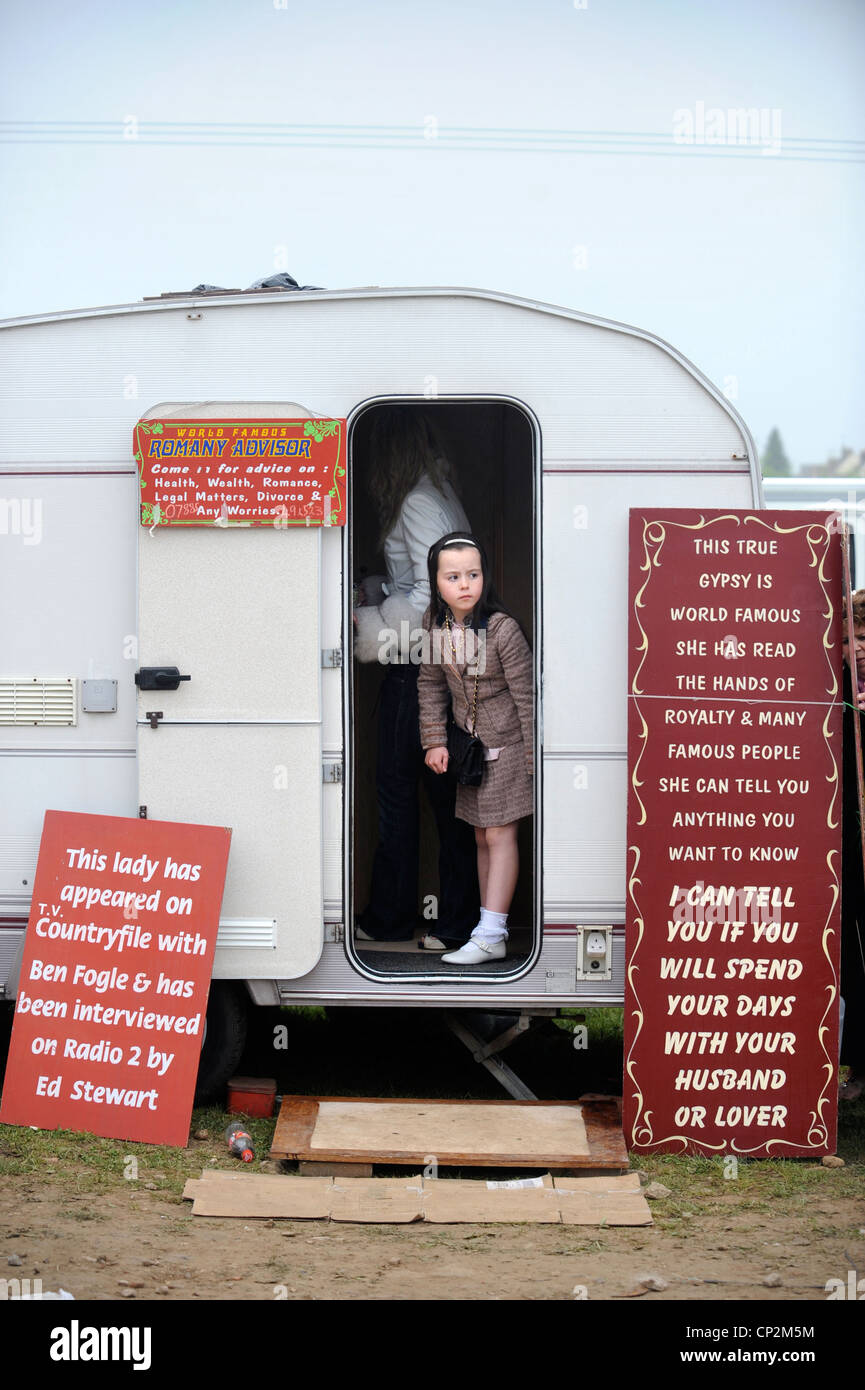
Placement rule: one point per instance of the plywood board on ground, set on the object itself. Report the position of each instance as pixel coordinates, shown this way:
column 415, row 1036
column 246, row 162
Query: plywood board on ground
column 505, row 1133
column 493, row 1131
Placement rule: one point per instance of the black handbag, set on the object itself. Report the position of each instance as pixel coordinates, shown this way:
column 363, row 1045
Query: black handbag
column 465, row 755
column 465, row 750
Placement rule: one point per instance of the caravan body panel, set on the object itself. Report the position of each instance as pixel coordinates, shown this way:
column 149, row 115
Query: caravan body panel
column 621, row 419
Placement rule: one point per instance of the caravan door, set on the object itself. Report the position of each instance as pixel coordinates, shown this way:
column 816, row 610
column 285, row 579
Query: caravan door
column 237, row 609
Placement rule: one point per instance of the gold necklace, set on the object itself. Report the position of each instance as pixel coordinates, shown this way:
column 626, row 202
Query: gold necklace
column 449, row 631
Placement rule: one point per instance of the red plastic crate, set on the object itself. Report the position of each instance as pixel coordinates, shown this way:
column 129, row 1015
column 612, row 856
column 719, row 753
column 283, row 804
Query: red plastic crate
column 251, row 1095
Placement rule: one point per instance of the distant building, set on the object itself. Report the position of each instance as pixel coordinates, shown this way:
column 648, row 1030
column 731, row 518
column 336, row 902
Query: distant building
column 850, row 463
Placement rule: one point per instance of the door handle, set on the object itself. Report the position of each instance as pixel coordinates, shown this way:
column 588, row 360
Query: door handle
column 159, row 678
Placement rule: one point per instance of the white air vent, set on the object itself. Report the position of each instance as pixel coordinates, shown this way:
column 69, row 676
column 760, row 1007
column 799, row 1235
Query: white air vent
column 247, row 932
column 35, row 701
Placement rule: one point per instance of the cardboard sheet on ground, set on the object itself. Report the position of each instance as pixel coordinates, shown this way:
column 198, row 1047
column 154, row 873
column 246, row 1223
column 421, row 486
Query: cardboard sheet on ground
column 216, row 1194
column 615, row 1200
column 601, row 1201
column 377, row 1199
column 470, row 1200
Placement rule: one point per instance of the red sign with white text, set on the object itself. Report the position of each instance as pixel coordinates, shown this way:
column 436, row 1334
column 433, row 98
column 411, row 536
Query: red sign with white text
column 241, row 472
column 112, row 995
column 734, row 832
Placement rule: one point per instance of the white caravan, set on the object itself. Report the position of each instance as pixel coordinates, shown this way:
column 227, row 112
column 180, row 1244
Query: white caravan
column 555, row 422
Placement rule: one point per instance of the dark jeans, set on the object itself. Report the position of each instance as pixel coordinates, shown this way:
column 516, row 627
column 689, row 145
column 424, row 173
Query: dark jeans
column 392, row 912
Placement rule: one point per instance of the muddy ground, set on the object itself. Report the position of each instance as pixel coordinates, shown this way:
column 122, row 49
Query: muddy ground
column 73, row 1216
column 127, row 1244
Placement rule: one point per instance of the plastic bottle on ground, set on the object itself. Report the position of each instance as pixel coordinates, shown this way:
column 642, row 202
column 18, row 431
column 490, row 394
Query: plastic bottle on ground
column 239, row 1141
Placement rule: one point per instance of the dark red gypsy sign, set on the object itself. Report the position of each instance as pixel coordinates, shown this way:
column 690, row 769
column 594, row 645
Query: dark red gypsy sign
column 734, row 834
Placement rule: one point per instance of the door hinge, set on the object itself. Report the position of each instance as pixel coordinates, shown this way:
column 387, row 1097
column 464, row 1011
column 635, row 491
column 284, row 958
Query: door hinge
column 331, row 656
column 331, row 772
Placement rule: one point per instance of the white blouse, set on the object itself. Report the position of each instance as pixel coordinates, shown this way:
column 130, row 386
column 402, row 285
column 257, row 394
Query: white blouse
column 426, row 515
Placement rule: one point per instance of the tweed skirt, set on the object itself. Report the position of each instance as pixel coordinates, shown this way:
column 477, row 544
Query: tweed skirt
column 506, row 793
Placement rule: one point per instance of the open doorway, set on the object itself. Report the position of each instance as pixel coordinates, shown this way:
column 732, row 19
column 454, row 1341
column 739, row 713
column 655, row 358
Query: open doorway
column 490, row 448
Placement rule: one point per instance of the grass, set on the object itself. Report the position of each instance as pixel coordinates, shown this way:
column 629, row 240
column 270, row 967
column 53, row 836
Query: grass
column 88, row 1164
column 367, row 1052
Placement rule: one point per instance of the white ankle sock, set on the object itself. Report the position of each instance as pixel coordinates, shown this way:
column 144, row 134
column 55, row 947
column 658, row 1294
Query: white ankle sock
column 492, row 927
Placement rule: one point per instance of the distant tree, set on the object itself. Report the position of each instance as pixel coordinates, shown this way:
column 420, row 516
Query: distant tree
column 774, row 462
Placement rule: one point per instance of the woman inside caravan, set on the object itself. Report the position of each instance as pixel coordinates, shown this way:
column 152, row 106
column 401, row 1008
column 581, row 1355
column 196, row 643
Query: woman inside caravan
column 416, row 503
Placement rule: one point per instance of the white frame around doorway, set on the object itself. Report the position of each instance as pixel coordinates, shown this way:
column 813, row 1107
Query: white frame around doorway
column 433, row 977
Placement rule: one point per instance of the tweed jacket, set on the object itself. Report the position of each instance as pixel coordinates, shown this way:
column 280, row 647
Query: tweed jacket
column 505, row 710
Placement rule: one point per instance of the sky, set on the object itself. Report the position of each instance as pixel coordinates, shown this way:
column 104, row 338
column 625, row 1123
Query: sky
column 578, row 152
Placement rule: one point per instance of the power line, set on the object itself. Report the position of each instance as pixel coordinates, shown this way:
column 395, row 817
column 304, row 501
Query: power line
column 276, row 126
column 432, row 135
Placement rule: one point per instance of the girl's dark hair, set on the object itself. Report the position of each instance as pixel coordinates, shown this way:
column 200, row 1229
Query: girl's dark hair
column 489, row 601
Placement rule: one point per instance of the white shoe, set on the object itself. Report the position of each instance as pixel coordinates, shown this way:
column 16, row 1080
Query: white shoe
column 476, row 952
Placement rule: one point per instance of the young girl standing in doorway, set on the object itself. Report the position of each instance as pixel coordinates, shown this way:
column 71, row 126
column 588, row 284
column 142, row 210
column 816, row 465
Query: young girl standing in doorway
column 410, row 483
column 479, row 666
